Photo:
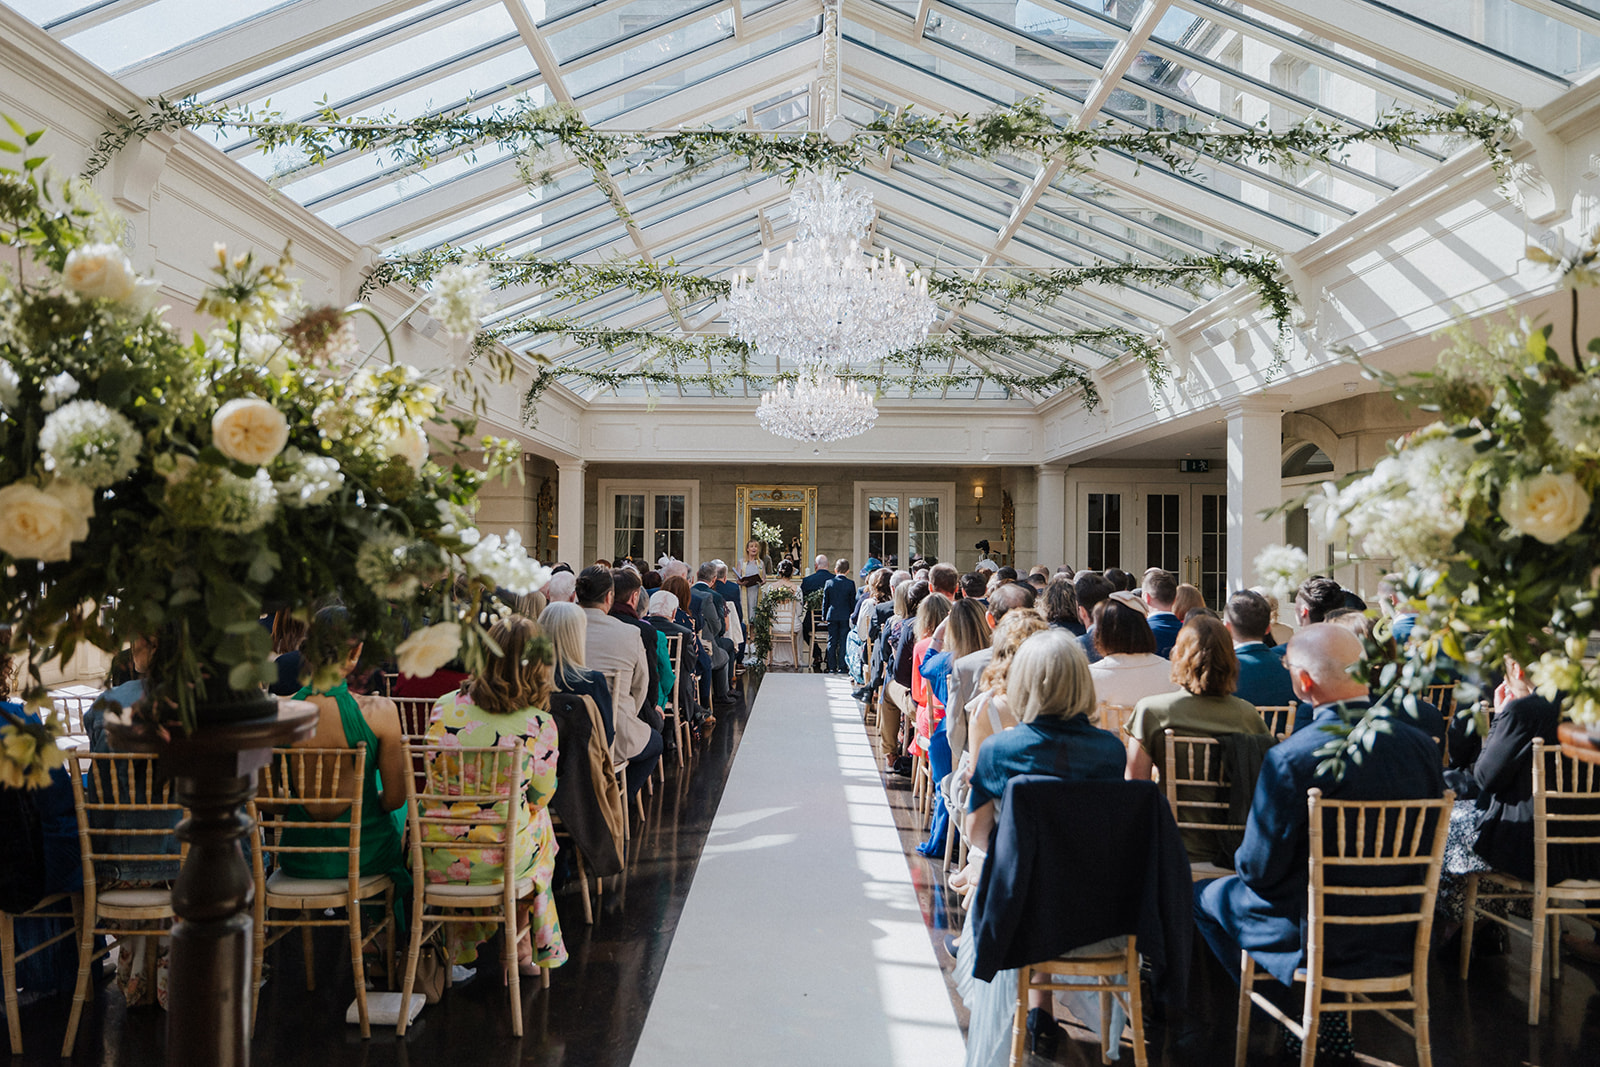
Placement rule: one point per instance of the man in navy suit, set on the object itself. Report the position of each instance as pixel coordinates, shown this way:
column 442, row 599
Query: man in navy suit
column 1263, row 679
column 813, row 583
column 1160, row 589
column 707, row 606
column 838, row 599
column 1262, row 908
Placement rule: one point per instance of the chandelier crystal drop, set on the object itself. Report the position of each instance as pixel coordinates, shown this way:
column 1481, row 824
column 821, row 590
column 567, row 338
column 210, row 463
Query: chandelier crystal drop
column 824, row 303
column 817, row 407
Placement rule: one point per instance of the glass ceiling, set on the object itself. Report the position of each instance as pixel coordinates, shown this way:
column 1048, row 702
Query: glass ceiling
column 656, row 64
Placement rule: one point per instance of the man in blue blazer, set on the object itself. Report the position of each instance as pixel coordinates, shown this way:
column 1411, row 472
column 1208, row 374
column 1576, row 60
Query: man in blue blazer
column 1160, row 589
column 1262, row 908
column 838, row 600
column 1263, row 679
column 813, row 583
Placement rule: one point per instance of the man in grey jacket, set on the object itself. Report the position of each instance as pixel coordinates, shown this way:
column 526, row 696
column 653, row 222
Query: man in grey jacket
column 613, row 648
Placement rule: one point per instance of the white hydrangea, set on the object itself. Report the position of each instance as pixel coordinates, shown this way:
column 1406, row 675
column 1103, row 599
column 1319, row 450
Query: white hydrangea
column 393, row 566
column 58, row 390
column 1282, row 569
column 10, row 386
column 506, row 564
column 461, row 298
column 247, row 503
column 1574, row 418
column 1409, row 507
column 90, row 443
column 264, row 349
column 306, row 480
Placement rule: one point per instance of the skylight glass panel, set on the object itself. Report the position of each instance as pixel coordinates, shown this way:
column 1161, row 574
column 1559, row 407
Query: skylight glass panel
column 655, row 52
column 945, row 68
column 161, row 27
column 1039, row 64
column 428, row 180
column 1049, row 26
column 634, row 21
column 1503, row 26
column 905, row 7
column 45, row 12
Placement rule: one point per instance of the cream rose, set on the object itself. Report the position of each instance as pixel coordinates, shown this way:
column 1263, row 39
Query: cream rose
column 1547, row 507
column 429, row 649
column 409, row 443
column 43, row 524
column 250, row 431
column 100, row 272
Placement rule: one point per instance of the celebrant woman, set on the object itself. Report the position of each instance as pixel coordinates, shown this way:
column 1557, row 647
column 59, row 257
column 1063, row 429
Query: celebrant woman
column 753, row 570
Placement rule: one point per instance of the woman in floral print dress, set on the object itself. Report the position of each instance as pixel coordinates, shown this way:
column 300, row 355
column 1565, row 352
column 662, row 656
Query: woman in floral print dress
column 505, row 706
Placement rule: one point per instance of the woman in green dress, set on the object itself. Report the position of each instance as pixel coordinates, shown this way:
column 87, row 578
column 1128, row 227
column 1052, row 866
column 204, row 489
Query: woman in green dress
column 506, row 705
column 345, row 721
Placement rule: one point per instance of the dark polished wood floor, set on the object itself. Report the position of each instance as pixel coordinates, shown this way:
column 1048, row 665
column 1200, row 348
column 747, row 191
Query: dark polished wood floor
column 594, row 1011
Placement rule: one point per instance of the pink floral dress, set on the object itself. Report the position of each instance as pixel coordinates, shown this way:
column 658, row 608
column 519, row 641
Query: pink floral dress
column 457, row 721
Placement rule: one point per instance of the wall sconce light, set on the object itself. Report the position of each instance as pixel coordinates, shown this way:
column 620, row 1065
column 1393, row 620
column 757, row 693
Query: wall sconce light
column 977, row 495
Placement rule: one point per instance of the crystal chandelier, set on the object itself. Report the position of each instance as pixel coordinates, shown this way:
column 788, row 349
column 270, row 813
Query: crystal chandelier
column 824, row 303
column 817, row 407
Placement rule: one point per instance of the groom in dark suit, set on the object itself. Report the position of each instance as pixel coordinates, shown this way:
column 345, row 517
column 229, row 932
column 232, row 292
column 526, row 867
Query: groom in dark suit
column 838, row 601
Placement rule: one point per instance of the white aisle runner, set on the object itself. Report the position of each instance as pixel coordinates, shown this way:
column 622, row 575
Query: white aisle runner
column 801, row 942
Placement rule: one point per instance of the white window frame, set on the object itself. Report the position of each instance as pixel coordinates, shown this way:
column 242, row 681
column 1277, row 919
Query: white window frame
column 609, row 489
column 944, row 491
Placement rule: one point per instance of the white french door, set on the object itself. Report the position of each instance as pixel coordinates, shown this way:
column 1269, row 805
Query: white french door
column 903, row 521
column 1179, row 528
column 646, row 520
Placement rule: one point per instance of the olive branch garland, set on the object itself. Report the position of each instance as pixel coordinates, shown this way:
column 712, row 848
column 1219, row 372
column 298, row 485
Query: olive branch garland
column 582, row 281
column 532, row 131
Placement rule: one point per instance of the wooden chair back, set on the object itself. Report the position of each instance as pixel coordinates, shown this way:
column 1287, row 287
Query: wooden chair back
column 288, row 794
column 415, row 713
column 786, row 618
column 1114, row 717
column 1279, row 719
column 1442, row 697
column 1349, row 840
column 71, row 709
column 489, row 778
column 674, row 657
column 1574, row 787
column 1196, row 765
column 108, row 785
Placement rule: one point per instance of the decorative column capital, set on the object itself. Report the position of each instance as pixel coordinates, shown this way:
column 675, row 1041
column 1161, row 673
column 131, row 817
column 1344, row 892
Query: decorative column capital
column 1256, row 404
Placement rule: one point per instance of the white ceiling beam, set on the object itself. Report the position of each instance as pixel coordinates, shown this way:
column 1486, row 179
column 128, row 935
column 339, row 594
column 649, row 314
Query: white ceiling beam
column 269, row 38
column 1587, row 21
column 97, row 16
column 1404, row 43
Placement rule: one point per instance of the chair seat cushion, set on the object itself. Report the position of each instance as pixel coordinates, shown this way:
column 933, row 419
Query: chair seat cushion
column 280, row 884
column 489, row 894
column 1577, row 883
column 133, row 898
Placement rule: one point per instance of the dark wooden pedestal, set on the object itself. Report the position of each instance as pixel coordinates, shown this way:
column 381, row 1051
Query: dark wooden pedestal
column 208, row 984
column 1579, row 743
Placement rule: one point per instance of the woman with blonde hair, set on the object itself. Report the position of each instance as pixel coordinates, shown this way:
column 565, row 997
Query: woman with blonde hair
column 991, row 711
column 506, row 704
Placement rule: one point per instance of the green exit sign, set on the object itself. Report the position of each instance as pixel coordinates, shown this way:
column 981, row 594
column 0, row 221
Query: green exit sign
column 1194, row 466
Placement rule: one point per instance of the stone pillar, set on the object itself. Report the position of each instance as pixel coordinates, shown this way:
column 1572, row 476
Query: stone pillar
column 569, row 513
column 1255, row 482
column 1051, row 543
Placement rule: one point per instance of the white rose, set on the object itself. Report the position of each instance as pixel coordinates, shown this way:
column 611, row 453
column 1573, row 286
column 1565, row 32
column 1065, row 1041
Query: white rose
column 58, row 389
column 1546, row 507
column 10, row 386
column 427, row 650
column 100, row 272
column 250, row 431
column 409, row 443
column 43, row 524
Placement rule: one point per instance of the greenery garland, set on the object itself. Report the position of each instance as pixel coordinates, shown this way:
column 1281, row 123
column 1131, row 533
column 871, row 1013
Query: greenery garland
column 758, row 634
column 1023, row 128
column 582, row 281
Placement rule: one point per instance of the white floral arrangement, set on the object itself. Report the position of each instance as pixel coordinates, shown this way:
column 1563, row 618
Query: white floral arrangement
column 151, row 486
column 1282, row 569
column 1489, row 511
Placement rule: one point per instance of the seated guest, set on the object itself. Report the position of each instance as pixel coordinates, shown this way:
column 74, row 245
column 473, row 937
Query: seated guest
column 974, row 586
column 877, row 592
column 700, row 662
column 945, row 580
column 615, row 650
column 1059, row 605
column 1187, row 599
column 288, row 633
column 711, row 614
column 651, row 580
column 1316, row 598
column 345, row 721
column 662, row 611
column 1090, row 589
column 1050, row 690
column 1204, row 666
column 1160, row 589
column 965, row 630
column 1427, row 717
column 966, row 671
column 532, row 605
column 1263, row 907
column 561, row 588
column 1280, row 632
column 1263, row 679
column 627, row 603
column 899, row 668
column 1128, row 669
column 882, row 676
column 506, row 705
column 1121, row 581
column 931, row 614
column 991, row 711
column 567, row 628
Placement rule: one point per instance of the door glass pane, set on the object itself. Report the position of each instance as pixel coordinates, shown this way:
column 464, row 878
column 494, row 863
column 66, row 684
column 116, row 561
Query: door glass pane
column 1161, row 532
column 670, row 534
column 922, row 525
column 1213, row 548
column 1105, row 531
column 628, row 520
column 883, row 526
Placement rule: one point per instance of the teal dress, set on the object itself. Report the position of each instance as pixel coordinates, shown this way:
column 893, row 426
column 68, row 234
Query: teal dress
column 382, row 832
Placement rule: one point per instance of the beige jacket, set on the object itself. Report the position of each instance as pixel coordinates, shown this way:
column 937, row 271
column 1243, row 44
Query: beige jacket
column 613, row 648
